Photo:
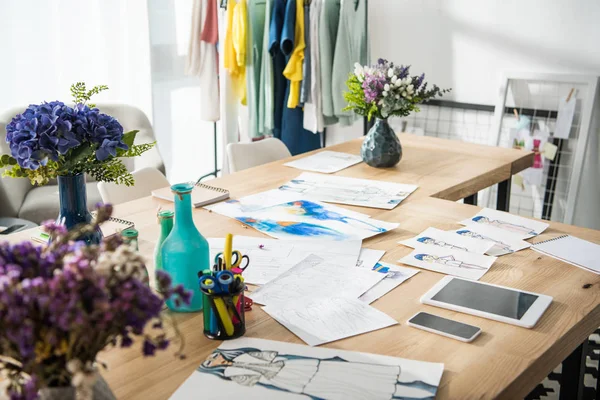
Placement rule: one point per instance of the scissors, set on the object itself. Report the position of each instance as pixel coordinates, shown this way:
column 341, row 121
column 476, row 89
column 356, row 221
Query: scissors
column 237, row 260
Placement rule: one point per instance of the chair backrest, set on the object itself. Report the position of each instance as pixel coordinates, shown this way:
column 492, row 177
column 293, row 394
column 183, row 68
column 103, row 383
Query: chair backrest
column 146, row 180
column 247, row 155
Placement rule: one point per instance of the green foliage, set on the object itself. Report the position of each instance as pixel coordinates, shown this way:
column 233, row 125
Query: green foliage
column 81, row 95
column 138, row 150
column 128, row 139
column 355, row 98
column 112, row 170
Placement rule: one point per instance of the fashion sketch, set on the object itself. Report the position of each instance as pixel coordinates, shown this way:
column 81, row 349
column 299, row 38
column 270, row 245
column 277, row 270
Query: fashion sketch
column 448, row 261
column 391, row 274
column 440, row 243
column 498, row 244
column 292, row 228
column 316, row 378
column 504, row 225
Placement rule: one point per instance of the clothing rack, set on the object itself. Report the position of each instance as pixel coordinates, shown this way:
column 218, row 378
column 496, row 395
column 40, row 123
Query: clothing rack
column 216, row 170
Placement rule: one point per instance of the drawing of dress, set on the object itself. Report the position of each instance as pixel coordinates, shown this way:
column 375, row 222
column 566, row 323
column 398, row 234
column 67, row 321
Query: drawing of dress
column 391, row 274
column 440, row 243
column 292, row 228
column 497, row 243
column 504, row 225
column 332, row 378
column 448, row 261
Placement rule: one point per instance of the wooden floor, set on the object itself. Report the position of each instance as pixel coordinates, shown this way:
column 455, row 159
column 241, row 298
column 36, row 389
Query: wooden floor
column 504, row 362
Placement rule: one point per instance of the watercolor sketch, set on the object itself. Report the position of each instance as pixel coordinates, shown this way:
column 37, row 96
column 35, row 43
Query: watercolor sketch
column 448, row 261
column 498, row 244
column 440, row 243
column 504, row 225
column 399, row 274
column 317, row 378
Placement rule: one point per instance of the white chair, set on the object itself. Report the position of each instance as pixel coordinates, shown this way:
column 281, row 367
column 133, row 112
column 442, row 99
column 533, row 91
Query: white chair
column 146, row 180
column 241, row 156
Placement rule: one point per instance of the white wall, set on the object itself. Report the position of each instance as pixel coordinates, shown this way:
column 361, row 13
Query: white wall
column 47, row 45
column 467, row 44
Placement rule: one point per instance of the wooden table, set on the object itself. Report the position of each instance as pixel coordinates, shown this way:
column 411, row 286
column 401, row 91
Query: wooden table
column 504, row 362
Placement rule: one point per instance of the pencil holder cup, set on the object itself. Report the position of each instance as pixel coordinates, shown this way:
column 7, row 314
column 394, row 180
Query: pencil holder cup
column 224, row 316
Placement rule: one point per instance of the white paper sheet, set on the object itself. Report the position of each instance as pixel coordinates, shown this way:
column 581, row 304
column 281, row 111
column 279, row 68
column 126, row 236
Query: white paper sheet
column 394, row 276
column 277, row 256
column 353, row 191
column 504, row 242
column 327, row 319
column 301, row 219
column 449, row 240
column 313, row 277
column 452, row 262
column 564, row 119
column 520, row 227
column 367, row 258
column 299, row 372
column 326, row 162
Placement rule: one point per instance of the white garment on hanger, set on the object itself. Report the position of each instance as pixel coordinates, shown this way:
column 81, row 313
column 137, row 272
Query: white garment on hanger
column 194, row 56
column 209, row 81
column 313, row 109
column 266, row 116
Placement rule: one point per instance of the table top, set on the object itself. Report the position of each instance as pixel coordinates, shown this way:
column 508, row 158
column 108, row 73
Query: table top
column 504, row 362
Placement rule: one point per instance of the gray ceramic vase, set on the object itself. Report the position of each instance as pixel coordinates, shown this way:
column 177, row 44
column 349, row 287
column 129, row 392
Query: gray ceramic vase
column 100, row 391
column 381, row 147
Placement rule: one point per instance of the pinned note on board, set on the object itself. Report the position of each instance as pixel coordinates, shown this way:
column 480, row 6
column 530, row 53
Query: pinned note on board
column 566, row 112
column 549, row 151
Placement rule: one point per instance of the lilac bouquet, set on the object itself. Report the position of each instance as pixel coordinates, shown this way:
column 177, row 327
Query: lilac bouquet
column 384, row 90
column 53, row 139
column 62, row 304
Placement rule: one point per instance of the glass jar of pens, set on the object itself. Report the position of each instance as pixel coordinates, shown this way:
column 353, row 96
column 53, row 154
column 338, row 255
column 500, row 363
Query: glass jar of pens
column 224, row 302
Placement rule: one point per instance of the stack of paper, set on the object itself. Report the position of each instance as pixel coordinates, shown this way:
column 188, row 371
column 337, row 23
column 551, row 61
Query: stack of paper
column 352, row 191
column 326, row 162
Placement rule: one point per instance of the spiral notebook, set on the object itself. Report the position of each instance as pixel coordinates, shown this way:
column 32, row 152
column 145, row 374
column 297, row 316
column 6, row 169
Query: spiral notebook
column 572, row 250
column 111, row 227
column 202, row 194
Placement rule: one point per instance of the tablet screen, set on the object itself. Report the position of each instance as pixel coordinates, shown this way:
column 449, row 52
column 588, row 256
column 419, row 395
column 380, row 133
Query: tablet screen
column 490, row 299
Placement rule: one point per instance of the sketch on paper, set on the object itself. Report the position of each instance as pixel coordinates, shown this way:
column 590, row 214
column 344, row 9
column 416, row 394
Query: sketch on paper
column 504, row 242
column 521, row 228
column 448, row 261
column 394, row 276
column 325, row 161
column 499, row 246
column 326, row 319
column 258, row 369
column 437, row 237
column 367, row 258
column 352, row 191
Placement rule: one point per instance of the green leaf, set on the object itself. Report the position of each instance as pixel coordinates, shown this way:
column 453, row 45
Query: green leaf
column 76, row 156
column 128, row 139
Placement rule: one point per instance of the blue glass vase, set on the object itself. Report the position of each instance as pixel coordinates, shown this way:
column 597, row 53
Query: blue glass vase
column 73, row 206
column 381, row 147
column 185, row 251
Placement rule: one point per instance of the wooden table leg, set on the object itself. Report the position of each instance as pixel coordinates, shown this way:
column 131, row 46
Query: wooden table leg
column 472, row 199
column 573, row 371
column 503, row 202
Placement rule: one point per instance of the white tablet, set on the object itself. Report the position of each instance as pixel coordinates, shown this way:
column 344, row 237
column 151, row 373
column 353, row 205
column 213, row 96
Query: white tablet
column 485, row 300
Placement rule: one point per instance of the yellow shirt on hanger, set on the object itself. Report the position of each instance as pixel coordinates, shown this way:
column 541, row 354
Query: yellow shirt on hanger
column 234, row 49
column 293, row 69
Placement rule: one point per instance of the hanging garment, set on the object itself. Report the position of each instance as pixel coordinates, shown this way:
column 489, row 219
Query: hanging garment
column 256, row 25
column 209, row 80
column 313, row 108
column 265, row 89
column 278, row 59
column 328, row 29
column 296, row 138
column 305, row 85
column 235, row 46
column 351, row 47
column 293, row 68
column 194, row 56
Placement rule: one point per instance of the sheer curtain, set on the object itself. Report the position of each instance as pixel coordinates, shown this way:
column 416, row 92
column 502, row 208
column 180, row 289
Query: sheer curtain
column 46, row 45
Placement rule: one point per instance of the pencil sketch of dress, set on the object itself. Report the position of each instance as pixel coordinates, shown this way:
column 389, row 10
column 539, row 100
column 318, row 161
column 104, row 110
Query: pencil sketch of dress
column 448, row 261
column 330, row 378
column 498, row 244
column 440, row 243
column 504, row 225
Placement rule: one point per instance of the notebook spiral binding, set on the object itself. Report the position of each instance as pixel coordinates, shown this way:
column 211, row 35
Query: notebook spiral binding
column 117, row 220
column 551, row 240
column 216, row 189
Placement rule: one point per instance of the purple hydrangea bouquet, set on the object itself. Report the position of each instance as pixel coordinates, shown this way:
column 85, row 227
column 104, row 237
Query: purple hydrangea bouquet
column 385, row 90
column 53, row 139
column 62, row 304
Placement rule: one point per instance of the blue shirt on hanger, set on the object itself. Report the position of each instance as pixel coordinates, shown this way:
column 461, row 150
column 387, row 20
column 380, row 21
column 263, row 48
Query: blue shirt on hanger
column 297, row 139
column 279, row 81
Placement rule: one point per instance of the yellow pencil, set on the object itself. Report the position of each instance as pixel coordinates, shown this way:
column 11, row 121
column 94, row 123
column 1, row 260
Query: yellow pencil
column 227, row 252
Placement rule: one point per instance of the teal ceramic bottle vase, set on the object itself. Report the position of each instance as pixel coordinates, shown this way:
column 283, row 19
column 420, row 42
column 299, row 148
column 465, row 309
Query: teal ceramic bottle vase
column 165, row 220
column 73, row 209
column 381, row 147
column 185, row 251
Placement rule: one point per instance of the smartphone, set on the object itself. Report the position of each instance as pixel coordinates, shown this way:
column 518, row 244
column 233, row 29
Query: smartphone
column 444, row 326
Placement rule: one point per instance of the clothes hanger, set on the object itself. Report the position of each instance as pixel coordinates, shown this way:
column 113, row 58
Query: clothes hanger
column 223, row 4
